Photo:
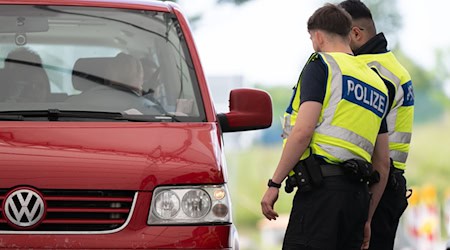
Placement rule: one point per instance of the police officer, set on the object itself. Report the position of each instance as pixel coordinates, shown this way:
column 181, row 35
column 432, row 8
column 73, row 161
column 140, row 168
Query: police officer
column 335, row 115
column 372, row 48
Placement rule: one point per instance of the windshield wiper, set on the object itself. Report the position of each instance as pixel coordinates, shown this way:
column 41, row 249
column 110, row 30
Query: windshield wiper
column 11, row 118
column 56, row 114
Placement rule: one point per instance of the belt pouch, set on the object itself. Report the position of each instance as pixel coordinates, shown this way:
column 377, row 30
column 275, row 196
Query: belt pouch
column 313, row 168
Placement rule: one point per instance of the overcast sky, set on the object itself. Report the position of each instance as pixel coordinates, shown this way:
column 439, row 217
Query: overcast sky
column 266, row 41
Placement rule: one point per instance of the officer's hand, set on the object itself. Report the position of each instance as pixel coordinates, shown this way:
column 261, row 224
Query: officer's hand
column 366, row 239
column 267, row 202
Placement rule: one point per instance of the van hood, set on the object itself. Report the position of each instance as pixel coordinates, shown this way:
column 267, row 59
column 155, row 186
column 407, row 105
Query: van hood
column 108, row 156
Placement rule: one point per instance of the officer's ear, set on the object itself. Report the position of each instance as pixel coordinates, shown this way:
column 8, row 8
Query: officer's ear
column 357, row 34
column 316, row 39
column 319, row 37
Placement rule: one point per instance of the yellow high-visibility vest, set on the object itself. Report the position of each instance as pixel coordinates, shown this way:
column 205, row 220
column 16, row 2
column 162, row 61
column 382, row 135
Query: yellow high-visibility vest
column 356, row 101
column 400, row 118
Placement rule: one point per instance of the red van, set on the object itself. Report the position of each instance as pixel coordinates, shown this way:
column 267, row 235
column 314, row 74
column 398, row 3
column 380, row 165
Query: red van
column 108, row 134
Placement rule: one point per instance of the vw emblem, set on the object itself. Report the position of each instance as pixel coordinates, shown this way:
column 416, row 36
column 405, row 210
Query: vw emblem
column 24, row 208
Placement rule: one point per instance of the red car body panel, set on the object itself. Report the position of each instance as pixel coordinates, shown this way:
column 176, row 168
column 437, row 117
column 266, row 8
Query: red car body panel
column 104, row 155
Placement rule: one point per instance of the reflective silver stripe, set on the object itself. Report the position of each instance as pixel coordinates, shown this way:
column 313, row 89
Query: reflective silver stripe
column 386, row 72
column 400, row 137
column 398, row 156
column 347, row 135
column 336, row 86
column 392, row 115
column 338, row 152
column 391, row 119
column 287, row 126
column 336, row 95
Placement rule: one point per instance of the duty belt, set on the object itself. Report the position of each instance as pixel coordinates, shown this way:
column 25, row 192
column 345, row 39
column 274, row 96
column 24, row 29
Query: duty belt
column 331, row 170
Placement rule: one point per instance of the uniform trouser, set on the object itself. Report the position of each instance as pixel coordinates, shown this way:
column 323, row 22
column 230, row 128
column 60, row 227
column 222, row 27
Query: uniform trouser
column 387, row 215
column 329, row 217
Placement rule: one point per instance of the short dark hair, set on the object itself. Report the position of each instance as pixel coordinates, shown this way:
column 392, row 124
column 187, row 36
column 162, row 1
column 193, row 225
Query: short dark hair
column 356, row 9
column 332, row 19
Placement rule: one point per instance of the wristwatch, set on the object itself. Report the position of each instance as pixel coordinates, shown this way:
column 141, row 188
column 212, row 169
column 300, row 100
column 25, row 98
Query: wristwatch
column 273, row 184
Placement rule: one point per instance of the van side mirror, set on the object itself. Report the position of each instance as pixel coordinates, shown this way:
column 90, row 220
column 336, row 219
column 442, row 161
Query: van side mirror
column 250, row 109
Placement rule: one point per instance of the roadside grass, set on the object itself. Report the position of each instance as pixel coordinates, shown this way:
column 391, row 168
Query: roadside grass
column 249, row 170
column 428, row 161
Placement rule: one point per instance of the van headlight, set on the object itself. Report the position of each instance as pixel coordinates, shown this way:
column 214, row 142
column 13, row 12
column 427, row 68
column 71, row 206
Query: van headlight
column 190, row 205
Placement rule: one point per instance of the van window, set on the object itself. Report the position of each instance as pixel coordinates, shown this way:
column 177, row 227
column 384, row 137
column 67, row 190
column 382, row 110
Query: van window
column 96, row 60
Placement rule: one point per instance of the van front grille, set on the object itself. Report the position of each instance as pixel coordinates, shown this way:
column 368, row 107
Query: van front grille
column 79, row 210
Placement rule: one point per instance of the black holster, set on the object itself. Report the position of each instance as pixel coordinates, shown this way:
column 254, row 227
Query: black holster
column 361, row 171
column 307, row 175
column 394, row 173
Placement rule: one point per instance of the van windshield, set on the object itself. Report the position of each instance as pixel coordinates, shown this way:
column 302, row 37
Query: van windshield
column 96, row 60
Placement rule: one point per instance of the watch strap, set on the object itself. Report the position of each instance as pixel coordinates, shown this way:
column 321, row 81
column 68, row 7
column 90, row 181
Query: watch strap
column 273, row 184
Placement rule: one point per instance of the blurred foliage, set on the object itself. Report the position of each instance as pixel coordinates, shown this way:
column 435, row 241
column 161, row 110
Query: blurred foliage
column 442, row 67
column 442, row 73
column 386, row 17
column 420, row 76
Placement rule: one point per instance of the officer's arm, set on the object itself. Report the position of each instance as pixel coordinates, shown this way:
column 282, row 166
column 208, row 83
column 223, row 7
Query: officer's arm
column 297, row 142
column 299, row 139
column 380, row 162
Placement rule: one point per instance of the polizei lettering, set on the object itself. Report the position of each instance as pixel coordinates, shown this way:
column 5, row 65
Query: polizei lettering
column 408, row 94
column 364, row 95
column 368, row 96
